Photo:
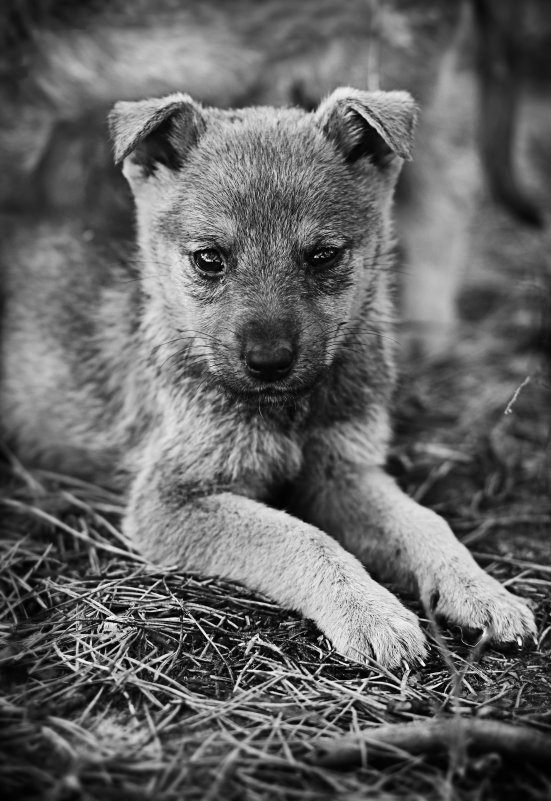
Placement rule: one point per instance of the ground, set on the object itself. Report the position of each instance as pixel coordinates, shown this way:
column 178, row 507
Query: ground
column 119, row 682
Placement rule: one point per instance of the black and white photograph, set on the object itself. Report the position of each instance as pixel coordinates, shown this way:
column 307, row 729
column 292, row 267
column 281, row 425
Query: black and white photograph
column 275, row 400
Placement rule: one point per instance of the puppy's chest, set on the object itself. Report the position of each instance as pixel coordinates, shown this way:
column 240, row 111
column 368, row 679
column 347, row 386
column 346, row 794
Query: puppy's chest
column 246, row 450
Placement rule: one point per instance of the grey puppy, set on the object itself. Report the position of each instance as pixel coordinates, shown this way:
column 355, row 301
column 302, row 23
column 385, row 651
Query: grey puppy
column 249, row 367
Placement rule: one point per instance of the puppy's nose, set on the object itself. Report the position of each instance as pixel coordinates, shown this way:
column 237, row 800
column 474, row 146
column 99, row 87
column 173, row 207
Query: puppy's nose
column 269, row 362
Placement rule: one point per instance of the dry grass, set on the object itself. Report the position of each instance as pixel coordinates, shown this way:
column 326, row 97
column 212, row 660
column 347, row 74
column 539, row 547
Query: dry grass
column 119, row 682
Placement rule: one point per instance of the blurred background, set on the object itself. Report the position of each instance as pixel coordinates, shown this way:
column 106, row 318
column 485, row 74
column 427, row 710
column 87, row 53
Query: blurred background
column 479, row 69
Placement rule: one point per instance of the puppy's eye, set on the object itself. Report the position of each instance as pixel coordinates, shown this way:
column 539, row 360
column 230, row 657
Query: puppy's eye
column 209, row 261
column 321, row 258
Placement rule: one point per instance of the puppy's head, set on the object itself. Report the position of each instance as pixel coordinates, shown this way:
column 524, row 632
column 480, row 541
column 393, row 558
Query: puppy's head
column 262, row 229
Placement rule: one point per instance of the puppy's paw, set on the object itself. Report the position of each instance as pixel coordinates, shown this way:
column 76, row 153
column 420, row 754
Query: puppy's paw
column 381, row 629
column 477, row 602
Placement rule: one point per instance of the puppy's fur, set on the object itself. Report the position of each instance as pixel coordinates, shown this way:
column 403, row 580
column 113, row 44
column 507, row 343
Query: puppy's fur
column 261, row 232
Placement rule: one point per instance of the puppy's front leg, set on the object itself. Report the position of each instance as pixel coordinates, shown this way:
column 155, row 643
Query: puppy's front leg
column 400, row 540
column 225, row 534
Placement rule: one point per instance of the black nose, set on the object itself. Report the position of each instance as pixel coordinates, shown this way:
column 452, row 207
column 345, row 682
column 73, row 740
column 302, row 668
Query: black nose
column 269, row 362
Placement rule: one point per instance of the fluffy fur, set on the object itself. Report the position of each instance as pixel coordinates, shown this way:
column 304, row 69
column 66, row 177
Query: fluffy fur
column 133, row 367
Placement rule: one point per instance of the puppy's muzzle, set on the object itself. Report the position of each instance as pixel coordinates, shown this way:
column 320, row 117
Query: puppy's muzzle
column 269, row 362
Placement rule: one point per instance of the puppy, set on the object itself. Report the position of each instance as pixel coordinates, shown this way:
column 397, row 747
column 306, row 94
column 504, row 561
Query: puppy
column 239, row 388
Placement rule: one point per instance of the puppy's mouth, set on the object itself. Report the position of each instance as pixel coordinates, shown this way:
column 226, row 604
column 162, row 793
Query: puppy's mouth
column 289, row 390
column 276, row 394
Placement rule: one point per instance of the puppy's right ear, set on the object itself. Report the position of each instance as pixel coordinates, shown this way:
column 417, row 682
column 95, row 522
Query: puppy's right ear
column 156, row 132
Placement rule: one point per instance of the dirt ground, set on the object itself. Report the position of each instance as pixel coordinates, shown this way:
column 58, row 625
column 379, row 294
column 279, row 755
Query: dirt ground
column 119, row 682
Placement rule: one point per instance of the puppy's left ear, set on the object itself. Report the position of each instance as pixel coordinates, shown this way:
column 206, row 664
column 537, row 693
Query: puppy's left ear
column 378, row 125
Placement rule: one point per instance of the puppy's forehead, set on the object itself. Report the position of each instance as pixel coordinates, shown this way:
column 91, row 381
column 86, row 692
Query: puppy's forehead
column 265, row 167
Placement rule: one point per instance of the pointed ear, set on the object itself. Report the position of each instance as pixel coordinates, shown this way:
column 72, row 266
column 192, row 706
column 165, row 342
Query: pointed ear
column 160, row 131
column 375, row 124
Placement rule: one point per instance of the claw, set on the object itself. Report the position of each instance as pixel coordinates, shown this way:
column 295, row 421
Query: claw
column 406, row 665
column 520, row 641
column 485, row 636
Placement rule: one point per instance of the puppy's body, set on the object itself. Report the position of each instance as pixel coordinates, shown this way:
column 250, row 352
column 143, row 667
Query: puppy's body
column 239, row 361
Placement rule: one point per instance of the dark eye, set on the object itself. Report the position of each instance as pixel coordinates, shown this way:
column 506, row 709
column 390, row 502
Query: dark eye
column 320, row 258
column 209, row 261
